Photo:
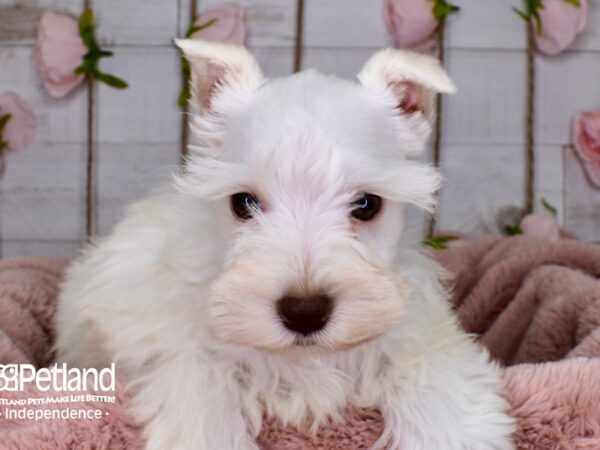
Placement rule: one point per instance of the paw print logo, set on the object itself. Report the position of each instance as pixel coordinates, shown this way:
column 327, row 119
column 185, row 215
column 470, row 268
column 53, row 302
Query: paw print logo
column 9, row 375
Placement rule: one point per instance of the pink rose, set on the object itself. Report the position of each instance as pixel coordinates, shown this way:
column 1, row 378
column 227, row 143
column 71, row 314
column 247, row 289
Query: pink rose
column 228, row 26
column 586, row 133
column 59, row 52
column 19, row 131
column 561, row 23
column 411, row 23
column 20, row 128
column 539, row 225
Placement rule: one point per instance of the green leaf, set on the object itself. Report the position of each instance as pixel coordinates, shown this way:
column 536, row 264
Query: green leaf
column 86, row 29
column 512, row 230
column 522, row 14
column 441, row 9
column 548, row 207
column 193, row 29
column 3, row 121
column 89, row 66
column 86, row 20
column 81, row 69
column 531, row 12
column 439, row 242
column 110, row 80
column 184, row 97
column 576, row 3
column 185, row 94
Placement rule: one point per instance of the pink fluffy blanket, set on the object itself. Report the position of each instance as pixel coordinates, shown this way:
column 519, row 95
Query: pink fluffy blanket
column 534, row 303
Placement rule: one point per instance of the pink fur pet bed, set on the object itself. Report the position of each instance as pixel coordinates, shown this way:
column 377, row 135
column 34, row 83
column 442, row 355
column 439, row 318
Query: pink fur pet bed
column 534, row 303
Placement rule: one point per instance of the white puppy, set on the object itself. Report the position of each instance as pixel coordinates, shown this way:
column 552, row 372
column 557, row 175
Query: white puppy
column 270, row 278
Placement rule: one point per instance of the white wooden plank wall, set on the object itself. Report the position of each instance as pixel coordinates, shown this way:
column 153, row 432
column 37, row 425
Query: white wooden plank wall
column 138, row 131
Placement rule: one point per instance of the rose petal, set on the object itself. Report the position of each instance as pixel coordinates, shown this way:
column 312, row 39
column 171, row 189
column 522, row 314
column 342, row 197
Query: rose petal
column 411, row 23
column 561, row 23
column 20, row 129
column 583, row 5
column 57, row 27
column 229, row 26
column 586, row 131
column 59, row 52
column 540, row 226
column 60, row 58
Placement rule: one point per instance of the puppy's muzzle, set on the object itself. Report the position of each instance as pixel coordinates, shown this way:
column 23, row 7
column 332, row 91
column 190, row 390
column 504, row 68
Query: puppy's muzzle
column 305, row 315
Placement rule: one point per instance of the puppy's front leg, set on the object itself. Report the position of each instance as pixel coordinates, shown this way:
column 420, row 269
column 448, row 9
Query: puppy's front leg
column 184, row 406
column 447, row 402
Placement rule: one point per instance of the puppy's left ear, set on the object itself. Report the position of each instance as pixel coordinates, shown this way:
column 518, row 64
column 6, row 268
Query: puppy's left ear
column 410, row 80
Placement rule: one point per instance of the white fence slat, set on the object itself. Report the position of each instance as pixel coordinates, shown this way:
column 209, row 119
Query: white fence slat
column 274, row 61
column 489, row 105
column 345, row 24
column 128, row 172
column 53, row 249
column 590, row 38
column 486, row 24
column 147, row 110
column 343, row 62
column 269, row 23
column 58, row 120
column 139, row 128
column 42, row 192
column 566, row 85
column 478, row 181
column 131, row 23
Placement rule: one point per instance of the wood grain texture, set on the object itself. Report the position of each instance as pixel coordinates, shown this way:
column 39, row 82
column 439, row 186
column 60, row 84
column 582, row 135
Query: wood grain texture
column 481, row 24
column 129, row 172
column 478, row 181
column 51, row 249
column 59, row 120
column 42, row 193
column 138, row 128
column 147, row 110
column 135, row 23
column 346, row 24
column 19, row 18
column 486, row 24
column 42, row 208
column 590, row 38
column 566, row 84
column 269, row 23
column 42, row 189
column 489, row 105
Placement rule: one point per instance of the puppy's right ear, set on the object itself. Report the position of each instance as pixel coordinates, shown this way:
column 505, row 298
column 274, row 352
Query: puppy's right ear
column 220, row 73
column 410, row 82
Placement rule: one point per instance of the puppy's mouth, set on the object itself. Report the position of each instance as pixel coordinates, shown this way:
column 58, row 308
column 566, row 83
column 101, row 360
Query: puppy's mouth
column 305, row 341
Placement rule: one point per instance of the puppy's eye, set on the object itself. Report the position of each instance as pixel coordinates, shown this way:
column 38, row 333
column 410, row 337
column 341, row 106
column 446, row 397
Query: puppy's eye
column 366, row 207
column 244, row 205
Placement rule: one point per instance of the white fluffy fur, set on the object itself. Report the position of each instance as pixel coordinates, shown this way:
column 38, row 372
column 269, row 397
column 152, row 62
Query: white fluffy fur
column 182, row 295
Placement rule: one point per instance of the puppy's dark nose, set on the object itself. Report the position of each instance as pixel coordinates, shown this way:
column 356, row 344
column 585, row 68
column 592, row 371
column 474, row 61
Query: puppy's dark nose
column 305, row 315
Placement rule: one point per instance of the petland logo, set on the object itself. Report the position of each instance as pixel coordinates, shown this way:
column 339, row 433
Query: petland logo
column 16, row 377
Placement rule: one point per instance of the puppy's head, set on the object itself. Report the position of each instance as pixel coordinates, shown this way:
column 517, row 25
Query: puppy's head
column 309, row 176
